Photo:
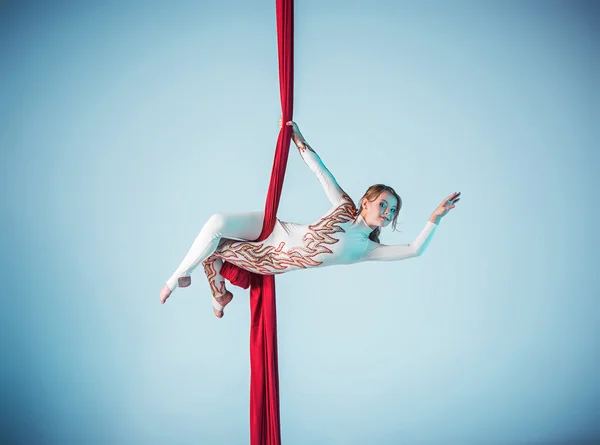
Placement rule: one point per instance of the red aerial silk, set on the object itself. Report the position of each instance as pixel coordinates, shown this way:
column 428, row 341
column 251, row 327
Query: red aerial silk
column 264, row 377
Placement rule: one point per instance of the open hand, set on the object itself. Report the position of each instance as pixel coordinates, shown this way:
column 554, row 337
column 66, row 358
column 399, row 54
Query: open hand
column 447, row 204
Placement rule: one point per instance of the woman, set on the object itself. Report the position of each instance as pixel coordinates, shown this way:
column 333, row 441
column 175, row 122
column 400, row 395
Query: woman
column 344, row 235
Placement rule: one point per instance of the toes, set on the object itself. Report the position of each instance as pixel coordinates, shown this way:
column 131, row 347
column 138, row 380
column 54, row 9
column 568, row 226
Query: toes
column 222, row 301
column 164, row 294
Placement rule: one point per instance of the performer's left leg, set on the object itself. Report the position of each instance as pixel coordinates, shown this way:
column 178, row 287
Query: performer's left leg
column 236, row 226
column 221, row 296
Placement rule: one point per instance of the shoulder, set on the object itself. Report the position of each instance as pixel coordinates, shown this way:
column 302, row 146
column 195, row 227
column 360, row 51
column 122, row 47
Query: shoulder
column 346, row 205
column 343, row 211
column 346, row 200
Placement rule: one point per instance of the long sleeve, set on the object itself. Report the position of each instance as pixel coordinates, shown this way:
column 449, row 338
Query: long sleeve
column 332, row 189
column 381, row 252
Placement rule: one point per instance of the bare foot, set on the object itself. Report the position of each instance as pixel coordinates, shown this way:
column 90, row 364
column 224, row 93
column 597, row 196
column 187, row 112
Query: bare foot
column 184, row 281
column 165, row 293
column 223, row 301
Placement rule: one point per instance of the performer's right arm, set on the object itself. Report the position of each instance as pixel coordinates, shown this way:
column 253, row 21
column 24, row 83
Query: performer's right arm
column 332, row 189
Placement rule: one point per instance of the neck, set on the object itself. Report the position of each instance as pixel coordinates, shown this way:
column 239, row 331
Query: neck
column 361, row 220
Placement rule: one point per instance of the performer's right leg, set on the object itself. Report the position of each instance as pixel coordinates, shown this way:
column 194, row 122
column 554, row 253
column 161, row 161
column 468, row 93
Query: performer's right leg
column 237, row 226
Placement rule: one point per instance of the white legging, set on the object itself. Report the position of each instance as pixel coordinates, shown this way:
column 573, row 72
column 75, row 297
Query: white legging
column 235, row 226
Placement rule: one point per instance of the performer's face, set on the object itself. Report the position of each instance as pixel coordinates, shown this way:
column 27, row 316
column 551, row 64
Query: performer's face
column 381, row 211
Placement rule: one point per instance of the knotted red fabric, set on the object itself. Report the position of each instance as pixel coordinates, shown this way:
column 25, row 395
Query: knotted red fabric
column 264, row 375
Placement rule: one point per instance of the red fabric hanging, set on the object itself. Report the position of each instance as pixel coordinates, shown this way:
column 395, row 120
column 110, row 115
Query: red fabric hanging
column 264, row 376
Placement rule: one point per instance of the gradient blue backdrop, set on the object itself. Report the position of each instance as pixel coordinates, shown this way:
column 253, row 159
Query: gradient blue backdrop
column 125, row 125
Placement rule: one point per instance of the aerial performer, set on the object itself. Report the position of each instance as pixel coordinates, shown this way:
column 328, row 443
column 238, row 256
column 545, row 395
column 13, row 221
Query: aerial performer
column 346, row 234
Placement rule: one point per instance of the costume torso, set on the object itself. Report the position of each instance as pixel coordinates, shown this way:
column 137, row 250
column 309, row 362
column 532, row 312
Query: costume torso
column 341, row 236
column 336, row 238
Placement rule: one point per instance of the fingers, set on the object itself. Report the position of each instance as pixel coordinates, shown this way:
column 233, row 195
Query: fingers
column 289, row 123
column 452, row 198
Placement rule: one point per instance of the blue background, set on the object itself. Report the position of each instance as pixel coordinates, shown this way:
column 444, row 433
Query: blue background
column 125, row 126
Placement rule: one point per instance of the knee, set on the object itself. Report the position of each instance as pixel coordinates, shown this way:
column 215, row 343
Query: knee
column 217, row 222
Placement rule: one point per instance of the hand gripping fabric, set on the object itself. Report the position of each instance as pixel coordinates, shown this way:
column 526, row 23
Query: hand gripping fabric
column 264, row 377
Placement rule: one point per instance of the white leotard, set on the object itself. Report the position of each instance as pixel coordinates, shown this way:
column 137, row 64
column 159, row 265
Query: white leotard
column 341, row 236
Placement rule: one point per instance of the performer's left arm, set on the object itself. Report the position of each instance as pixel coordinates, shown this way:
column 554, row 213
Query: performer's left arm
column 382, row 252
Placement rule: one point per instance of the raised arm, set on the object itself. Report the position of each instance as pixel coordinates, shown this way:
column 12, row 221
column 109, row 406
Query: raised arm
column 332, row 189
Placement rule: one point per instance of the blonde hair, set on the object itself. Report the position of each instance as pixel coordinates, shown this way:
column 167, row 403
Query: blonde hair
column 371, row 195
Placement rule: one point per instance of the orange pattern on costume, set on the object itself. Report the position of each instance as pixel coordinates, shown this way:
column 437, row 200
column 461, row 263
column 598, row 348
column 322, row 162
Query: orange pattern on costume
column 211, row 274
column 264, row 259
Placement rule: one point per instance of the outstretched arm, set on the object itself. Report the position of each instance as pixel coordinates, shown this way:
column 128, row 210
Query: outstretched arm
column 332, row 189
column 381, row 252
